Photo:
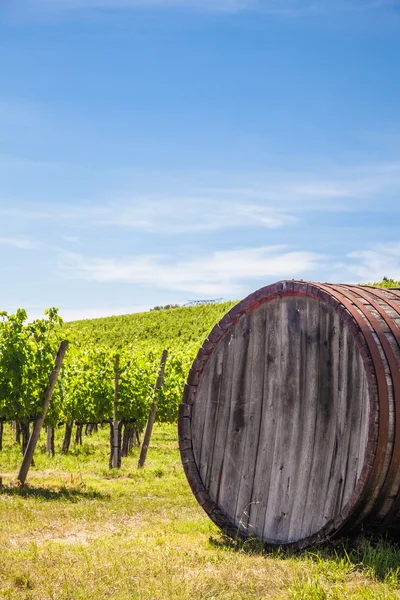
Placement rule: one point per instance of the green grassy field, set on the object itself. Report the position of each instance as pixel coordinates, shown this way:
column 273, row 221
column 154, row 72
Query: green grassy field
column 81, row 531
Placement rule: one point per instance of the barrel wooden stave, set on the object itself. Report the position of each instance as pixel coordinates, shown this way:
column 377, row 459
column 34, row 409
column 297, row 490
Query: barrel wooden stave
column 295, row 399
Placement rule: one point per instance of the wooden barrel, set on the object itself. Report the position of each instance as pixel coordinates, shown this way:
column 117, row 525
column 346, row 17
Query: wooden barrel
column 289, row 429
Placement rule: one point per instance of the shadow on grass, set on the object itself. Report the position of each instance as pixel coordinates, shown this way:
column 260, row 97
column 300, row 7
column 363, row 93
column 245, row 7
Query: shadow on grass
column 378, row 557
column 247, row 546
column 63, row 493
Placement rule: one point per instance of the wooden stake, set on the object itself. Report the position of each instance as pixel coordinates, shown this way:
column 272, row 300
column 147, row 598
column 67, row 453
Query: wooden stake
column 153, row 410
column 48, row 392
column 48, row 440
column 116, row 450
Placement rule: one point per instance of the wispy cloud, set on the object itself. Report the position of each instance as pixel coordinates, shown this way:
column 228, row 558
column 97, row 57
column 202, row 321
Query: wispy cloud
column 190, row 214
column 167, row 215
column 382, row 260
column 267, row 200
column 16, row 242
column 221, row 273
column 232, row 273
column 338, row 189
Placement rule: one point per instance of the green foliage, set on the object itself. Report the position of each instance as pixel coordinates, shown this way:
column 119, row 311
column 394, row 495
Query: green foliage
column 136, row 382
column 27, row 352
column 387, row 283
column 167, row 306
column 139, row 339
column 176, row 372
column 85, row 388
column 86, row 383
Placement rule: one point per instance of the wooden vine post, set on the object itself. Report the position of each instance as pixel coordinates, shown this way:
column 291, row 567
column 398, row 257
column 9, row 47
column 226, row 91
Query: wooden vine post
column 50, row 441
column 116, row 446
column 153, row 410
column 48, row 392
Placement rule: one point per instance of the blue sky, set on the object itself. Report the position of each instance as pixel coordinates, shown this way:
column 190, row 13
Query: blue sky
column 158, row 151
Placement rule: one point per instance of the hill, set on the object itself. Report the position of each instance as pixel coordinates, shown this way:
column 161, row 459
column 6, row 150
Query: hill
column 169, row 328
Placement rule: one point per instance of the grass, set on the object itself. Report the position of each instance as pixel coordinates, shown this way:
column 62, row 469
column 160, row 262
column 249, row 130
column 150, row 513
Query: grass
column 81, row 531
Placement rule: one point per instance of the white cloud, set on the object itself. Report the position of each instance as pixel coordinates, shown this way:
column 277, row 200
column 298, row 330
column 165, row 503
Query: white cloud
column 16, row 242
column 382, row 260
column 320, row 191
column 203, row 202
column 274, row 200
column 168, row 215
column 176, row 215
column 221, row 273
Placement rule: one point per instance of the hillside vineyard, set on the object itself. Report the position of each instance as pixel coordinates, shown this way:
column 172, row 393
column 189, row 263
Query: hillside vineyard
column 85, row 392
column 290, row 423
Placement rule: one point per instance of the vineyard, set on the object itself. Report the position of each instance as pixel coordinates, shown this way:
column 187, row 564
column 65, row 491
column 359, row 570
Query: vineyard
column 85, row 391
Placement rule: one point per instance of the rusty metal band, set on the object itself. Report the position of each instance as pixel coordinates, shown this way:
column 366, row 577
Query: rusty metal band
column 379, row 293
column 395, row 305
column 381, row 447
column 395, row 293
column 395, row 375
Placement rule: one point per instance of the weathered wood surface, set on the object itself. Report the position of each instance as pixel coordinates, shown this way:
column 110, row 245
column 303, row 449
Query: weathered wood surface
column 294, row 403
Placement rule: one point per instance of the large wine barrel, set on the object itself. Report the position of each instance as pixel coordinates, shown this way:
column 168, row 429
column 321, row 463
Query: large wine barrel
column 290, row 423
